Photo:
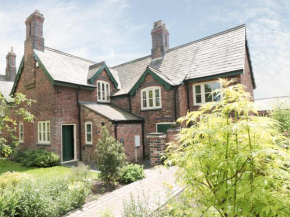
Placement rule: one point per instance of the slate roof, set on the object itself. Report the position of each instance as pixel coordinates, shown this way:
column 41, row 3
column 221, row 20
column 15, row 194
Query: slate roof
column 211, row 56
column 267, row 104
column 217, row 54
column 65, row 67
column 111, row 112
column 5, row 89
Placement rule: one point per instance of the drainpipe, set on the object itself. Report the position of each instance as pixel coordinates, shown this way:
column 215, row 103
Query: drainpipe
column 80, row 125
column 116, row 134
column 175, row 106
column 130, row 104
column 143, row 141
column 187, row 93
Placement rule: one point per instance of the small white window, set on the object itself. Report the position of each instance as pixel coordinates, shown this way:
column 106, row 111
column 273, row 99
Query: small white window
column 44, row 132
column 88, row 131
column 203, row 93
column 151, row 98
column 103, row 91
column 21, row 135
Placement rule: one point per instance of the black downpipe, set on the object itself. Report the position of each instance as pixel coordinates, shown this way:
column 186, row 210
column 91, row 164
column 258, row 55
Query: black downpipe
column 116, row 134
column 130, row 104
column 143, row 141
column 187, row 93
column 175, row 106
column 80, row 124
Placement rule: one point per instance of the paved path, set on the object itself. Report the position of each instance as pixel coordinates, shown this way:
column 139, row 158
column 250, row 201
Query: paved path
column 151, row 191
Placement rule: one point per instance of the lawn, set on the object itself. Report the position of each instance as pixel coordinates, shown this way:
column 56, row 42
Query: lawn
column 45, row 173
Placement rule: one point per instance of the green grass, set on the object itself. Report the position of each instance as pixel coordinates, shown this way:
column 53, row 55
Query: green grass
column 44, row 173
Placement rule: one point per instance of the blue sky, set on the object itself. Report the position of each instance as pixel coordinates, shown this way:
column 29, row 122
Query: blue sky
column 119, row 30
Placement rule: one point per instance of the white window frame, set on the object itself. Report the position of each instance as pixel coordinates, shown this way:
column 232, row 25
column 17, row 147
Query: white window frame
column 2, row 107
column 147, row 89
column 21, row 138
column 86, row 132
column 202, row 90
column 102, row 92
column 41, row 139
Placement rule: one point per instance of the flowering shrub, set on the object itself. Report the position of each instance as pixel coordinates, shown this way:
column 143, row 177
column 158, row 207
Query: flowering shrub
column 11, row 179
column 6, row 150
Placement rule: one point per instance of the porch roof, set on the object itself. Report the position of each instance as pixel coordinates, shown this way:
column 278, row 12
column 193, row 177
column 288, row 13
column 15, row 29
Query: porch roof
column 111, row 112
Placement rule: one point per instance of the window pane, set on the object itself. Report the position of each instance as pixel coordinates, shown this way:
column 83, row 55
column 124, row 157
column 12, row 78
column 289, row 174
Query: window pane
column 157, row 101
column 208, row 97
column 39, row 126
column 198, row 98
column 47, row 126
column 150, row 102
column 207, row 88
column 197, row 89
column 216, row 98
column 89, row 137
column 215, row 86
column 48, row 136
column 144, row 94
column 157, row 93
column 150, row 94
column 89, row 128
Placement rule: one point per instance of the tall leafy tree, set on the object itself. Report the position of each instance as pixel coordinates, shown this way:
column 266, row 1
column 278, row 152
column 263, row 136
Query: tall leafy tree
column 233, row 162
column 17, row 107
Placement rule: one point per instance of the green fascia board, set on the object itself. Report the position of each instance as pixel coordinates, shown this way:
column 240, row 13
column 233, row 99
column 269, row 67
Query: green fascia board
column 66, row 84
column 51, row 80
column 166, row 85
column 120, row 96
column 109, row 73
column 227, row 74
column 17, row 76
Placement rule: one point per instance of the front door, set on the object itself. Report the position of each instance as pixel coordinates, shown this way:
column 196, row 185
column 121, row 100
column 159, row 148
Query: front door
column 67, row 142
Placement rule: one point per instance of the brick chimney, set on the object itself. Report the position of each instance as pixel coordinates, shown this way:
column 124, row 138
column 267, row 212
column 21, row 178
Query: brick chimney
column 34, row 32
column 160, row 40
column 11, row 65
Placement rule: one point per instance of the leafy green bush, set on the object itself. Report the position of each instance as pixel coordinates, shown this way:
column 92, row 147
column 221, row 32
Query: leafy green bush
column 40, row 158
column 6, row 150
column 131, row 173
column 232, row 161
column 281, row 113
column 110, row 157
column 43, row 197
column 12, row 179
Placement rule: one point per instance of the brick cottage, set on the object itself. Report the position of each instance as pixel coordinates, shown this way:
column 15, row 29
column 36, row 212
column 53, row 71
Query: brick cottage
column 75, row 97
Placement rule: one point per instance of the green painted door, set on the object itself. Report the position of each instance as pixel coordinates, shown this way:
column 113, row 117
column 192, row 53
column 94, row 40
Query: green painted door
column 67, row 142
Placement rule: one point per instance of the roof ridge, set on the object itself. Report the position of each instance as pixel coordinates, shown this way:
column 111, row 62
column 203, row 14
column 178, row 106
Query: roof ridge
column 140, row 58
column 186, row 44
column 69, row 55
column 97, row 64
column 208, row 37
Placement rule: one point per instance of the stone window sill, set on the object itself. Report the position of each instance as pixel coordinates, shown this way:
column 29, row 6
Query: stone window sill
column 153, row 109
column 41, row 144
column 89, row 145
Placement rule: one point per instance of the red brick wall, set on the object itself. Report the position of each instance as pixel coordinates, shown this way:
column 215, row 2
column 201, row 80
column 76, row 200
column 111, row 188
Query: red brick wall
column 125, row 131
column 246, row 78
column 121, row 102
column 165, row 114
